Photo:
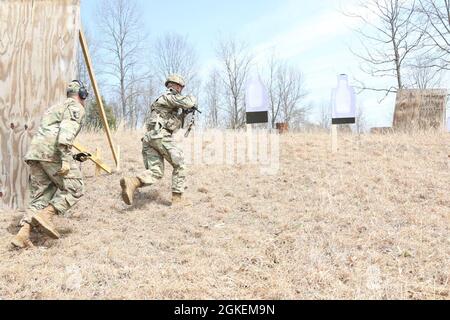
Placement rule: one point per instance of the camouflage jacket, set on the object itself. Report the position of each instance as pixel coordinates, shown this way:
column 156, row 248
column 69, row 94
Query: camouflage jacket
column 58, row 129
column 165, row 117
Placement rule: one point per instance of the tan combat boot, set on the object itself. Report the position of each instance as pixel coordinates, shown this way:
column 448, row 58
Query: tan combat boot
column 179, row 200
column 43, row 219
column 22, row 238
column 129, row 186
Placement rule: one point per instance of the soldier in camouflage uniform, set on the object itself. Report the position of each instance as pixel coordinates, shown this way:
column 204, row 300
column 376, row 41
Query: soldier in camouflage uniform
column 158, row 144
column 56, row 182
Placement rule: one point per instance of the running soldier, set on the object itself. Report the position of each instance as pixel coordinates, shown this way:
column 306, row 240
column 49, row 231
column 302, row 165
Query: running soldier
column 158, row 144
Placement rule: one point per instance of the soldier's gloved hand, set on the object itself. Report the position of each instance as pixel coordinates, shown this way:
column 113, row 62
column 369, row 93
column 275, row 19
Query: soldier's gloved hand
column 82, row 156
column 65, row 168
column 187, row 111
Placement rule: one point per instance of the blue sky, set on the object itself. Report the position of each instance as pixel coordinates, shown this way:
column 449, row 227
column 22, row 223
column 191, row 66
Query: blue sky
column 312, row 35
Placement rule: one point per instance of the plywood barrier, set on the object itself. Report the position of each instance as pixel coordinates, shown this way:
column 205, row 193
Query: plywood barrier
column 420, row 109
column 37, row 59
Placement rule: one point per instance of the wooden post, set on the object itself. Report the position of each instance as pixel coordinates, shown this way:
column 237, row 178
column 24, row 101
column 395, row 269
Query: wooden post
column 250, row 146
column 101, row 110
column 334, row 138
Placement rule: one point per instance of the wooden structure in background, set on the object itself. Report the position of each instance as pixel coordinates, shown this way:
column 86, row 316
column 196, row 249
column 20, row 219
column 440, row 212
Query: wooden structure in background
column 37, row 59
column 282, row 127
column 420, row 109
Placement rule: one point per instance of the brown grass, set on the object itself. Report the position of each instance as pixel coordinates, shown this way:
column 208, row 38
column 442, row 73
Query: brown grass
column 371, row 222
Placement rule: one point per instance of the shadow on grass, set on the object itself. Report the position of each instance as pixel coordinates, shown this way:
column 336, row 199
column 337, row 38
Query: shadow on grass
column 142, row 199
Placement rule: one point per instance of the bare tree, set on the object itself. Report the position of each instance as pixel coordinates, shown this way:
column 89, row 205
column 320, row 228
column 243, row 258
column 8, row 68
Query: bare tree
column 389, row 38
column 122, row 43
column 236, row 64
column 286, row 92
column 174, row 54
column 141, row 95
column 291, row 94
column 423, row 75
column 361, row 122
column 212, row 99
column 436, row 16
column 273, row 89
column 148, row 95
column 81, row 67
column 325, row 115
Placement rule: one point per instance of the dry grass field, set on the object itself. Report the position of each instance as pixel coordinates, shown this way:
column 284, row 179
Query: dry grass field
column 371, row 222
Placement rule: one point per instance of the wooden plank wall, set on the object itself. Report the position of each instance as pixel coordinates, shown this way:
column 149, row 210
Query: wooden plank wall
column 420, row 109
column 38, row 40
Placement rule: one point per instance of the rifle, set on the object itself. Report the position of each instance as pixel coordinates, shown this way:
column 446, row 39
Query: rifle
column 193, row 110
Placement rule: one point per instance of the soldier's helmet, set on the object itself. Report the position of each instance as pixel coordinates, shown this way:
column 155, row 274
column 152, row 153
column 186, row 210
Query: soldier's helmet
column 76, row 87
column 175, row 78
column 73, row 87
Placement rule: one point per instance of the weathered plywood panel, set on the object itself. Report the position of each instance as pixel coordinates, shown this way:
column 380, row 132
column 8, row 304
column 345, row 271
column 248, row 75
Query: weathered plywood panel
column 420, row 109
column 37, row 58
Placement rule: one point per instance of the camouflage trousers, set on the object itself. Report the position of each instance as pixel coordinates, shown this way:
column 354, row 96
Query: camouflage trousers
column 154, row 151
column 46, row 188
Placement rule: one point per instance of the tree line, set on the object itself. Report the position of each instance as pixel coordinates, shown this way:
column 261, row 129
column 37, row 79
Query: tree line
column 408, row 41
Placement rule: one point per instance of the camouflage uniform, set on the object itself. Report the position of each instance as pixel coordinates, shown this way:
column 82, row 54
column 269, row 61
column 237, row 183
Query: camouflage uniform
column 49, row 148
column 158, row 144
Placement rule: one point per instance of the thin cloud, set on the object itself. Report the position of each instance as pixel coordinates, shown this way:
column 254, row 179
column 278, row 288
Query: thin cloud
column 307, row 35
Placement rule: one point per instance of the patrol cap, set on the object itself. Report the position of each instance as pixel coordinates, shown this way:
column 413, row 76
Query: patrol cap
column 175, row 78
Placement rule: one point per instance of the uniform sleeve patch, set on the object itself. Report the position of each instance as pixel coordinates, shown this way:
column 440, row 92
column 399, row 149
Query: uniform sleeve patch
column 75, row 114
